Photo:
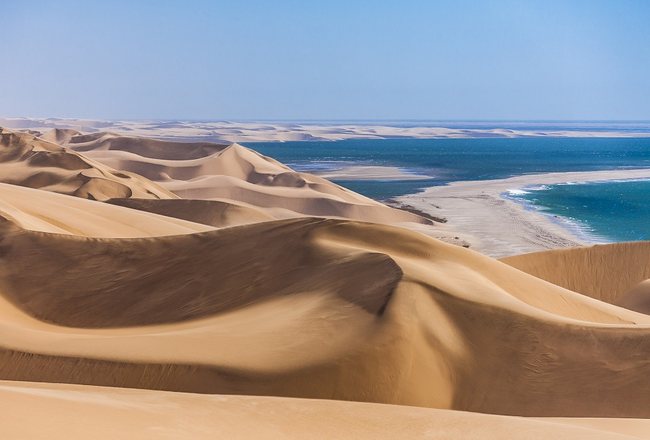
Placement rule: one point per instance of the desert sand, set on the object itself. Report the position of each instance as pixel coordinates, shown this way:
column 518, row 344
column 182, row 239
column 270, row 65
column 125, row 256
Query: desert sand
column 38, row 163
column 589, row 270
column 233, row 174
column 74, row 411
column 49, row 212
column 235, row 289
column 498, row 226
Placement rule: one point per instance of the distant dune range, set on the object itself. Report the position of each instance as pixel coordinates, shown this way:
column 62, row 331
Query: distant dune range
column 239, row 295
column 30, row 161
column 233, row 131
column 230, row 174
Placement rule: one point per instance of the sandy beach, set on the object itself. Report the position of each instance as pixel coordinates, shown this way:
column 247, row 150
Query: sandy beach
column 360, row 172
column 478, row 212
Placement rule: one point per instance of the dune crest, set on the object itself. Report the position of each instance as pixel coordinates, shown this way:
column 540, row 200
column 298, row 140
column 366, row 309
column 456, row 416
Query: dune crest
column 44, row 211
column 218, row 213
column 375, row 313
column 233, row 173
column 30, row 161
column 605, row 272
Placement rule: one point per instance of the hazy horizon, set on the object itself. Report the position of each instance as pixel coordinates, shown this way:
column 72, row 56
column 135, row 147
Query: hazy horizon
column 290, row 61
column 328, row 120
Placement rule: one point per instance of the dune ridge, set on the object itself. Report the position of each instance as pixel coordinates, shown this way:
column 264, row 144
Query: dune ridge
column 221, row 185
column 233, row 173
column 395, row 321
column 30, row 161
column 615, row 273
column 218, row 213
column 54, row 213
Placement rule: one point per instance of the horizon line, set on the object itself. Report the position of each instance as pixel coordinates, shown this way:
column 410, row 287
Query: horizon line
column 280, row 120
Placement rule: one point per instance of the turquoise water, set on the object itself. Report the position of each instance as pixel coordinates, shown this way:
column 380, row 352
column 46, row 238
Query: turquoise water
column 610, row 211
column 448, row 160
column 613, row 211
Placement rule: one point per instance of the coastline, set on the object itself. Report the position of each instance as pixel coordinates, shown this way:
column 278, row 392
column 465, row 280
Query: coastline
column 480, row 212
column 578, row 230
column 477, row 214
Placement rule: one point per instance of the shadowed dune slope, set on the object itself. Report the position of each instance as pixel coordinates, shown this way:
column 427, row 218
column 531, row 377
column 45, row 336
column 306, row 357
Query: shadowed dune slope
column 30, row 161
column 141, row 146
column 611, row 272
column 233, row 173
column 59, row 135
column 74, row 412
column 637, row 298
column 316, row 308
column 160, row 280
column 208, row 212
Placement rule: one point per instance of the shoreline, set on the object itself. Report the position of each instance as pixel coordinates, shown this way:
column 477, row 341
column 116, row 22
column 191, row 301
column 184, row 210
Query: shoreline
column 577, row 230
column 481, row 213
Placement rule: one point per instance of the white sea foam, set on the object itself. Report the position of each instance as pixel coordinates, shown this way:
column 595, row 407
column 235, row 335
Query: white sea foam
column 517, row 192
column 537, row 188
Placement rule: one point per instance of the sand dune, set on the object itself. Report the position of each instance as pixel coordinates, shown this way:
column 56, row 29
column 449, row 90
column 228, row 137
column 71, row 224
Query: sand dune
column 37, row 163
column 44, row 211
column 242, row 185
column 237, row 292
column 74, row 412
column 219, row 213
column 615, row 273
column 59, row 135
column 637, row 298
column 233, row 173
column 146, row 147
column 341, row 310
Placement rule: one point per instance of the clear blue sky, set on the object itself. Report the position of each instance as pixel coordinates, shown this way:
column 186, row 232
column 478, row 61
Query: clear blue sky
column 326, row 59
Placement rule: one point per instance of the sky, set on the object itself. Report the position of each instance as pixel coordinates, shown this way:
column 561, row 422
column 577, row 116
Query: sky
column 326, row 60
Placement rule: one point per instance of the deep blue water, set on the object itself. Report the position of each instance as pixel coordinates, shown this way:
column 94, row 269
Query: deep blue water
column 450, row 160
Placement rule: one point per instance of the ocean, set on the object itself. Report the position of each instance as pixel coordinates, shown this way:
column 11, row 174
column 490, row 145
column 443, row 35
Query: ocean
column 603, row 211
column 609, row 211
